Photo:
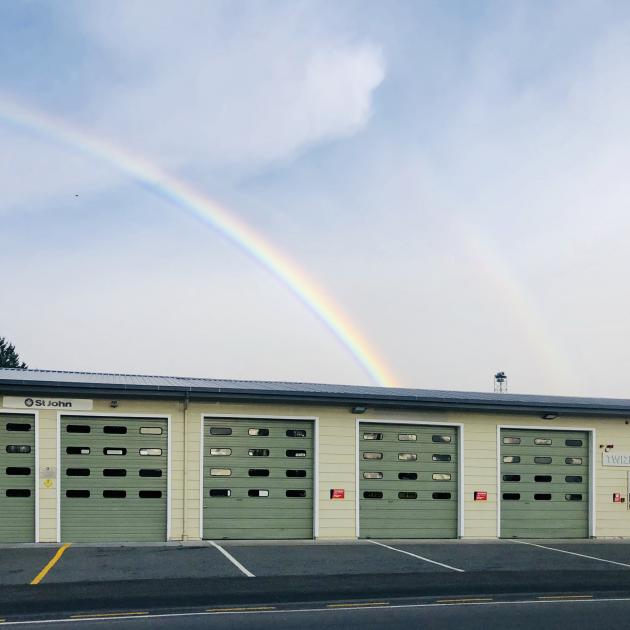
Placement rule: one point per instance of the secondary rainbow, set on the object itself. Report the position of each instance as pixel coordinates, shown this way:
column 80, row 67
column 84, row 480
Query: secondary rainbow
column 231, row 226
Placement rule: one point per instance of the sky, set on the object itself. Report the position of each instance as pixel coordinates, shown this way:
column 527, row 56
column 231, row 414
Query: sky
column 452, row 175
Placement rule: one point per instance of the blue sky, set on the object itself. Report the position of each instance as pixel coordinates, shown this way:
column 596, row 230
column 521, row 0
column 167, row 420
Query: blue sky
column 454, row 174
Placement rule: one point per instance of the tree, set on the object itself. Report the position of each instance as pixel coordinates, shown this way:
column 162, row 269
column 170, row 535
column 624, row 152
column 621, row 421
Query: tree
column 9, row 358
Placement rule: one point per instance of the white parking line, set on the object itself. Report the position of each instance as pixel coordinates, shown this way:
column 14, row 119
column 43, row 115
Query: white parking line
column 571, row 553
column 413, row 555
column 232, row 559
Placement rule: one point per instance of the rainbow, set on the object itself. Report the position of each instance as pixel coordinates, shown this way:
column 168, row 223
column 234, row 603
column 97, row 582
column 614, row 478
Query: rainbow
column 525, row 311
column 184, row 196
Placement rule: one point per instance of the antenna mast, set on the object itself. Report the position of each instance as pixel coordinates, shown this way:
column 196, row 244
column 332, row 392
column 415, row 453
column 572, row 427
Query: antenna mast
column 500, row 383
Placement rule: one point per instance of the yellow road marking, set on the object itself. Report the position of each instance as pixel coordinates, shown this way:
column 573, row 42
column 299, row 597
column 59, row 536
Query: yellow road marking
column 556, row 597
column 102, row 615
column 240, row 609
column 357, row 605
column 464, row 601
column 51, row 563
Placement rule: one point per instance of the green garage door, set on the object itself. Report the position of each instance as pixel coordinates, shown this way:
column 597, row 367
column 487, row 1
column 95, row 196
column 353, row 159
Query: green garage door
column 17, row 478
column 544, row 484
column 257, row 478
column 114, row 475
column 408, row 481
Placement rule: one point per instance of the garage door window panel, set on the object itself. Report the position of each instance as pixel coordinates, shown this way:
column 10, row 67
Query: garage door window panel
column 258, row 452
column 372, row 435
column 77, row 450
column 150, row 452
column 220, row 452
column 296, row 433
column 114, row 494
column 22, row 493
column 150, row 472
column 407, row 476
column 511, row 478
column 441, row 439
column 543, row 460
column 18, row 426
column 257, row 493
column 258, row 432
column 573, row 461
column 78, row 494
column 439, row 457
column 295, row 473
column 115, row 451
column 407, row 457
column 17, row 470
column 372, row 475
column 295, row 453
column 220, row 492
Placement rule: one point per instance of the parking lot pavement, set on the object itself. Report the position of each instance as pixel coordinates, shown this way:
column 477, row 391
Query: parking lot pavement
column 110, row 563
column 509, row 555
column 322, row 559
column 19, row 565
column 99, row 564
column 612, row 550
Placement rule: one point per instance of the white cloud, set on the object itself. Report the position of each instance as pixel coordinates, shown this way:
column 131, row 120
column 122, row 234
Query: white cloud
column 222, row 84
column 196, row 87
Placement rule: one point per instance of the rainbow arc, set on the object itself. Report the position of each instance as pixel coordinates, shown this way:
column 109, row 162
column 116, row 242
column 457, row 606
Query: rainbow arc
column 244, row 236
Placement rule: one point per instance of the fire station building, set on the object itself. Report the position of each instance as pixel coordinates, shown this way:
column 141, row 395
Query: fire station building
column 112, row 457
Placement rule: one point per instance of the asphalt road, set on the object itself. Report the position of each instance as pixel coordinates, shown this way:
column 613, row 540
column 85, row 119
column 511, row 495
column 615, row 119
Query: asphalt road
column 524, row 614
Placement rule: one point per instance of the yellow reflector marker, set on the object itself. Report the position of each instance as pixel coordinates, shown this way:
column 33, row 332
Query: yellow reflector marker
column 103, row 615
column 254, row 608
column 465, row 601
column 51, row 563
column 569, row 597
column 357, row 605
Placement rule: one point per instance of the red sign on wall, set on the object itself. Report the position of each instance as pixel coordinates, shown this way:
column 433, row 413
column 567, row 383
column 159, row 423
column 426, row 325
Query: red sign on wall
column 481, row 495
column 617, row 497
column 337, row 493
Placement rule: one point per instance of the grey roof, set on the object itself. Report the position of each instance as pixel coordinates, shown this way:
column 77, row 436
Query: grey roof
column 53, row 382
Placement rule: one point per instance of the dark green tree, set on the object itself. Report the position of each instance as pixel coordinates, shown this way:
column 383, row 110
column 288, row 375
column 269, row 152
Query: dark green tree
column 9, row 358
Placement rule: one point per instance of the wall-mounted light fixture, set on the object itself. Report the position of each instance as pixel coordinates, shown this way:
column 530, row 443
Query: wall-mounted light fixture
column 359, row 409
column 113, row 404
column 549, row 416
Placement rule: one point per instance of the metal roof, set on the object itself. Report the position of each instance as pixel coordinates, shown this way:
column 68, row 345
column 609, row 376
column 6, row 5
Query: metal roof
column 53, row 382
